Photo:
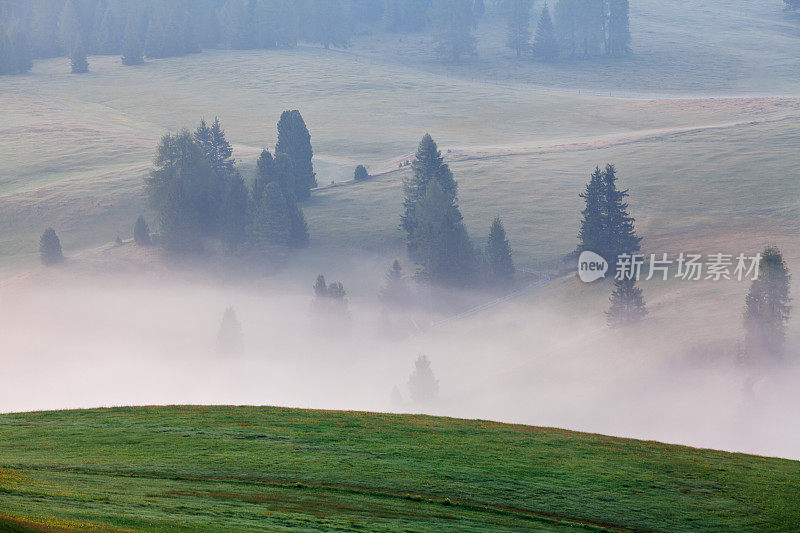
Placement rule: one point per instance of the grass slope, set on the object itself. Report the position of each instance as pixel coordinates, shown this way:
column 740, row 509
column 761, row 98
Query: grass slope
column 182, row 468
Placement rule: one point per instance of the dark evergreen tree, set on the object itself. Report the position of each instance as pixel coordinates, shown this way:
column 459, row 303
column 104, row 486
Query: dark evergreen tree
column 295, row 141
column 500, row 264
column 545, row 44
column 395, row 291
column 278, row 170
column 320, row 287
column 422, row 385
column 230, row 339
column 132, row 53
column 767, row 308
column 178, row 189
column 591, row 236
column 50, row 248
column 454, row 21
column 233, row 219
column 77, row 59
column 518, row 26
column 269, row 230
column 618, row 35
column 141, row 232
column 360, row 173
column 428, row 165
column 627, row 304
column 440, row 241
column 218, row 151
column 298, row 228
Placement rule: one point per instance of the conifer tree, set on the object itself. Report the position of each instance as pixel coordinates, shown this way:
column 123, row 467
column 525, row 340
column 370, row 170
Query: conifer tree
column 592, row 231
column 627, row 304
column 620, row 235
column 270, row 227
column 545, row 44
column 278, row 170
column 50, row 248
column 295, row 141
column 767, row 308
column 320, row 287
column 440, row 241
column 233, row 218
column 360, row 173
column 132, row 53
column 107, row 35
column 69, row 27
column 454, row 21
column 77, row 58
column 395, row 291
column 141, row 232
column 428, row 165
column 298, row 228
column 265, row 173
column 501, row 266
column 422, row 385
column 618, row 35
column 518, row 26
column 230, row 339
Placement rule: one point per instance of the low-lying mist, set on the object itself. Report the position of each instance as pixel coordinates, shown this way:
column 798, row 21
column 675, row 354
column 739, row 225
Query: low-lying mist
column 127, row 340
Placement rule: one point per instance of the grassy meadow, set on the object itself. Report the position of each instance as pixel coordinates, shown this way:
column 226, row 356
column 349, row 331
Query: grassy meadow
column 263, row 468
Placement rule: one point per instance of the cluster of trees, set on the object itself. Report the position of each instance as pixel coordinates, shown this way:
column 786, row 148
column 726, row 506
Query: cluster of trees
column 197, row 191
column 607, row 229
column 582, row 28
column 436, row 237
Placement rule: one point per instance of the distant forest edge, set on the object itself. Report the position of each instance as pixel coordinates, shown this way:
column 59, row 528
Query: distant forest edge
column 33, row 29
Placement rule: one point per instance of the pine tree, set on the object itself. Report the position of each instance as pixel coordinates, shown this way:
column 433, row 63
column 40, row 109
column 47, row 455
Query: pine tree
column 545, row 44
column 501, row 266
column 428, row 165
column 233, row 218
column 518, row 31
column 619, row 32
column 230, row 339
column 454, row 21
column 77, row 58
column 627, row 304
column 69, row 27
column 107, row 35
column 265, row 173
column 50, row 248
column 767, row 307
column 592, row 232
column 422, row 385
column 270, row 227
column 298, row 228
column 360, row 173
column 141, row 232
column 440, row 241
column 278, row 170
column 620, row 235
column 295, row 141
column 395, row 292
column 320, row 287
column 132, row 53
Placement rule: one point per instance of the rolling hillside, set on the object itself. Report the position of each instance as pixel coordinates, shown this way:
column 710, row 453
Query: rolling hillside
column 236, row 468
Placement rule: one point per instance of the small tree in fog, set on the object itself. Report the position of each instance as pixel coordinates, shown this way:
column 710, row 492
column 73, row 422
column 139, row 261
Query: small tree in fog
column 320, row 287
column 395, row 292
column 230, row 339
column 77, row 59
column 627, row 304
column 518, row 29
column 422, row 385
column 500, row 265
column 360, row 173
column 50, row 248
column 330, row 306
column 767, row 307
column 545, row 44
column 141, row 232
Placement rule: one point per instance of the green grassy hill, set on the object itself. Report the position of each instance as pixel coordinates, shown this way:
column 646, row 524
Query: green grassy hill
column 229, row 468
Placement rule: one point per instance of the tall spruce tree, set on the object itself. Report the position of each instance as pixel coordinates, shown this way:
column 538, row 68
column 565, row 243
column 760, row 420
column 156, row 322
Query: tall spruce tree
column 767, row 307
column 395, row 291
column 545, row 44
column 518, row 25
column 422, row 385
column 230, row 338
column 618, row 34
column 141, row 232
column 627, row 304
column 591, row 235
column 50, row 248
column 500, row 264
column 269, row 229
column 454, row 21
column 77, row 59
column 440, row 241
column 428, row 165
column 294, row 140
column 132, row 52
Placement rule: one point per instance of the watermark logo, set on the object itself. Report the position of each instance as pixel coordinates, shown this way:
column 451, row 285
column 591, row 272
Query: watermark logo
column 591, row 266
